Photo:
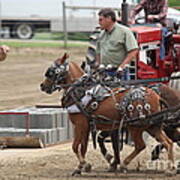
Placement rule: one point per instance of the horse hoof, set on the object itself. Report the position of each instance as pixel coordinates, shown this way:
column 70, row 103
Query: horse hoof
column 171, row 172
column 76, row 172
column 154, row 157
column 123, row 168
column 112, row 169
column 178, row 168
column 87, row 167
column 108, row 157
column 178, row 143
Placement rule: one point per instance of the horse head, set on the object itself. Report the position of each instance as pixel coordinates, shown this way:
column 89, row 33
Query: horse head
column 59, row 74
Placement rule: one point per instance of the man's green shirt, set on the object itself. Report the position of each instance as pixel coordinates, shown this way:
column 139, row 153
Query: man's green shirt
column 113, row 46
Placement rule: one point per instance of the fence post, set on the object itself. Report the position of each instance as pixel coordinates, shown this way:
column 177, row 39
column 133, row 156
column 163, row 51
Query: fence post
column 0, row 19
column 64, row 25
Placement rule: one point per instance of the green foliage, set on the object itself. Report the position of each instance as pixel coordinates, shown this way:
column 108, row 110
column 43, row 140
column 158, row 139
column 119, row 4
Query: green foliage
column 174, row 3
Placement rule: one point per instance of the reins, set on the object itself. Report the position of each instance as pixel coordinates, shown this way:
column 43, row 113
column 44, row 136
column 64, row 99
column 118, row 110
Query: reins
column 100, row 78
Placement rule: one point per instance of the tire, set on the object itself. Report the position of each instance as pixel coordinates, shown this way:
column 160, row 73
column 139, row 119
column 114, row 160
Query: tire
column 24, row 31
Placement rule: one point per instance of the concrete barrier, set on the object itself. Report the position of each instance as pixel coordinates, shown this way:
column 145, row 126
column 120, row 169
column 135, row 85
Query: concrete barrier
column 51, row 125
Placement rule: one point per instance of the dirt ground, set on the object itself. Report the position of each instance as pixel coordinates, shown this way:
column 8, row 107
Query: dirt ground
column 22, row 73
column 20, row 77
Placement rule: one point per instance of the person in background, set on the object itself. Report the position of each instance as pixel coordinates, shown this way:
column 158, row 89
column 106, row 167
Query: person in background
column 116, row 44
column 155, row 11
column 3, row 52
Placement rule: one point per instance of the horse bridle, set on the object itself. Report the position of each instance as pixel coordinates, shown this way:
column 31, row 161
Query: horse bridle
column 57, row 75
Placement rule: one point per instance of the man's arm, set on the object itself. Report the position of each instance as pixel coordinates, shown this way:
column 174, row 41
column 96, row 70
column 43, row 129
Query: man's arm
column 130, row 56
column 136, row 10
column 98, row 60
column 163, row 12
column 131, row 48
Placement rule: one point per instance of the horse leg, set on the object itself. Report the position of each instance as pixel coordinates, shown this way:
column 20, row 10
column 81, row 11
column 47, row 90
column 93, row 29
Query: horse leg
column 79, row 148
column 161, row 137
column 156, row 152
column 84, row 145
column 115, row 146
column 136, row 134
column 101, row 137
column 172, row 134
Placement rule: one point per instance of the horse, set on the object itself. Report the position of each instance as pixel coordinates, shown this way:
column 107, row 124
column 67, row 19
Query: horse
column 172, row 98
column 144, row 101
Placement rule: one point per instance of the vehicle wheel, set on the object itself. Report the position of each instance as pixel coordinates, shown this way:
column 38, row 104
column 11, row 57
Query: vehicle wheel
column 24, row 31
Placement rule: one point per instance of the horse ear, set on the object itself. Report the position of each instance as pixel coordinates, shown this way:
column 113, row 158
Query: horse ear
column 63, row 59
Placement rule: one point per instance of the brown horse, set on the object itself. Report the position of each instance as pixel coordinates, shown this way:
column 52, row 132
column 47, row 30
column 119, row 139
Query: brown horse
column 110, row 110
column 172, row 97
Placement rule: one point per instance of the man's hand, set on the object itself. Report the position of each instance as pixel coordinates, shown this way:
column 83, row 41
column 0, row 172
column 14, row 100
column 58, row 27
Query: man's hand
column 133, row 21
column 119, row 72
column 95, row 65
column 152, row 17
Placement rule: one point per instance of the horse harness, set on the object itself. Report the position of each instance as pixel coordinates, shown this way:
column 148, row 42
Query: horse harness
column 99, row 93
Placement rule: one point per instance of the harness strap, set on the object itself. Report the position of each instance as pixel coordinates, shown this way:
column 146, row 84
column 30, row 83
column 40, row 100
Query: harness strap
column 93, row 119
column 162, row 116
column 88, row 116
column 146, row 81
column 104, row 120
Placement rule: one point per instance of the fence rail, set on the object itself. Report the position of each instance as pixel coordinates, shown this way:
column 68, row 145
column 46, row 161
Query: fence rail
column 87, row 25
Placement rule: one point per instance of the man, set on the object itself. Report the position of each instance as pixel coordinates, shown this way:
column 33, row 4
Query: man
column 155, row 11
column 3, row 52
column 116, row 45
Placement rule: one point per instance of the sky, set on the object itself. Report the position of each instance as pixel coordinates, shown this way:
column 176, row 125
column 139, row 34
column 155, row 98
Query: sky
column 49, row 8
column 52, row 8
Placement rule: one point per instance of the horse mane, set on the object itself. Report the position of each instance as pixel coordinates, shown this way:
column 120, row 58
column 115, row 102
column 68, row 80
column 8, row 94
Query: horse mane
column 75, row 70
column 171, row 95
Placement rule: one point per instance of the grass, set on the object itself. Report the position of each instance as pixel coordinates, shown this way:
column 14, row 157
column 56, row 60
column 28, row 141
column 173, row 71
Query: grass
column 47, row 39
column 60, row 36
column 20, row 43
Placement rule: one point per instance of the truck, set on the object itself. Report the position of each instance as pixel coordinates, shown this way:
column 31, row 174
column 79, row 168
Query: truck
column 23, row 28
column 21, row 19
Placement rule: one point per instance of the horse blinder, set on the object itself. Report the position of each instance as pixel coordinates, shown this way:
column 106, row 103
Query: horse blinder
column 56, row 75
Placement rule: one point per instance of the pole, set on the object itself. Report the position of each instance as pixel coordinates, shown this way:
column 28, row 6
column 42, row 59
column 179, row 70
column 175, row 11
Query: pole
column 64, row 25
column 124, row 13
column 0, row 19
